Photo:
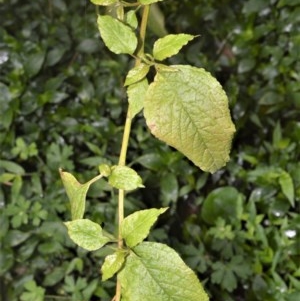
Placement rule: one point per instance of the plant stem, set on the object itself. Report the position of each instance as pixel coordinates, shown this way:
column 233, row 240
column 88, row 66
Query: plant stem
column 125, row 140
column 143, row 28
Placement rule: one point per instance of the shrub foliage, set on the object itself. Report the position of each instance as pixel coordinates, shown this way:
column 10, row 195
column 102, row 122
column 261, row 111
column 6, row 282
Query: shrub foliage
column 60, row 107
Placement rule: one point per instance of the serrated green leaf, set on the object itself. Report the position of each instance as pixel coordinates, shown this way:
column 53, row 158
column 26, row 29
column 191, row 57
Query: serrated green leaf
column 117, row 36
column 287, row 186
column 87, row 234
column 112, row 264
column 136, row 74
column 170, row 45
column 76, row 193
column 136, row 95
column 135, row 227
column 123, row 177
column 104, row 2
column 147, row 2
column 162, row 275
column 188, row 110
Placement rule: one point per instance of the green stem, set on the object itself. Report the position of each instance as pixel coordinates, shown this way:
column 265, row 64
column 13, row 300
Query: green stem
column 125, row 140
column 143, row 28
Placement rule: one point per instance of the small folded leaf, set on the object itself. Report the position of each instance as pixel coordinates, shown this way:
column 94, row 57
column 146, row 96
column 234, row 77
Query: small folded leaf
column 87, row 234
column 136, row 95
column 112, row 264
column 123, row 177
column 105, row 170
column 154, row 271
column 76, row 193
column 188, row 110
column 135, row 227
column 131, row 19
column 170, row 45
column 117, row 36
column 136, row 74
column 104, row 2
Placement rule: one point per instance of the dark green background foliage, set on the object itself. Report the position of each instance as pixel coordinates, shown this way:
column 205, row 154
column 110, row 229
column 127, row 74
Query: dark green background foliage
column 62, row 105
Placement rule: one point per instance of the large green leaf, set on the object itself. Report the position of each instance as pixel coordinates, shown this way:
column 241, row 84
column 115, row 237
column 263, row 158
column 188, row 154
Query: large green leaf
column 188, row 109
column 154, row 271
column 170, row 45
column 87, row 234
column 117, row 36
column 135, row 227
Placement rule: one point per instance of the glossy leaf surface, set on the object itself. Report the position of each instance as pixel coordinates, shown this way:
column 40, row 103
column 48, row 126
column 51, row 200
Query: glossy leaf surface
column 117, row 36
column 154, row 271
column 135, row 227
column 188, row 109
column 87, row 234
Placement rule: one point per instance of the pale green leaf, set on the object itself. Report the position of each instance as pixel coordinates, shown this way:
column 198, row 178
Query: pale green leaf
column 170, row 45
column 112, row 264
column 287, row 186
column 104, row 2
column 147, row 2
column 154, row 271
column 136, row 74
column 105, row 170
column 135, row 227
column 136, row 95
column 131, row 19
column 76, row 193
column 166, row 68
column 87, row 234
column 123, row 177
column 188, row 110
column 117, row 36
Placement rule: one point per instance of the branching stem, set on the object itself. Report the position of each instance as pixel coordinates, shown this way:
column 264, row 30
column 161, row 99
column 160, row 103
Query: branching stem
column 125, row 140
